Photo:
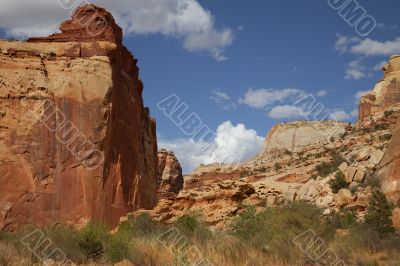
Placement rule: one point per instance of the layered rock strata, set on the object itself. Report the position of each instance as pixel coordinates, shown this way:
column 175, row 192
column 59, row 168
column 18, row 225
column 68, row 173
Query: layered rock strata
column 386, row 92
column 76, row 142
column 169, row 178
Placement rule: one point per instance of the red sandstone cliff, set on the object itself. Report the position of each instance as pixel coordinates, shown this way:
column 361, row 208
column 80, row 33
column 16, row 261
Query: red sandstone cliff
column 386, row 92
column 170, row 178
column 76, row 142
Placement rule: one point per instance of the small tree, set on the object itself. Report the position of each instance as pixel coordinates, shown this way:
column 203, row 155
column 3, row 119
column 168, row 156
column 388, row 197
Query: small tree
column 379, row 213
column 338, row 182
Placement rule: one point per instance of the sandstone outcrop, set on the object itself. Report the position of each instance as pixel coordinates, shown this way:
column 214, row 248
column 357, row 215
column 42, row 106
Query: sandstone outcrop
column 389, row 169
column 385, row 94
column 301, row 135
column 169, row 175
column 396, row 218
column 287, row 173
column 76, row 142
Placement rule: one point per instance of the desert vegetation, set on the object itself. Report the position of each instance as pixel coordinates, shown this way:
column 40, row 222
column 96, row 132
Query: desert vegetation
column 253, row 238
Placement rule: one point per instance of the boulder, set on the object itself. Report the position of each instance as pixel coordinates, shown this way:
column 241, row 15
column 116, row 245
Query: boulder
column 376, row 157
column 359, row 176
column 363, row 155
column 343, row 168
column 343, row 197
column 353, row 185
column 351, row 172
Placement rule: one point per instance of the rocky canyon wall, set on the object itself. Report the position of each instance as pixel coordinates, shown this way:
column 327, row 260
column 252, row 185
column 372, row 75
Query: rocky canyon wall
column 76, row 142
column 386, row 92
column 389, row 169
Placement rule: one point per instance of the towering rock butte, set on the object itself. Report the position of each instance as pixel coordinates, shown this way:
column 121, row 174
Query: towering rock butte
column 170, row 178
column 76, row 142
column 386, row 93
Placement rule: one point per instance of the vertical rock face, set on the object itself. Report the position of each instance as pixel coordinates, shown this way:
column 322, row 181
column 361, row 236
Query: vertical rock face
column 385, row 94
column 76, row 142
column 389, row 169
column 170, row 179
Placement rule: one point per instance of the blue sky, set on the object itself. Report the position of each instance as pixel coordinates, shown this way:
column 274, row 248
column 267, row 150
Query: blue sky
column 239, row 65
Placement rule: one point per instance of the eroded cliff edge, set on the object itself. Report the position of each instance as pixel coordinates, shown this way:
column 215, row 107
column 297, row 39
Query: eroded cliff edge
column 87, row 88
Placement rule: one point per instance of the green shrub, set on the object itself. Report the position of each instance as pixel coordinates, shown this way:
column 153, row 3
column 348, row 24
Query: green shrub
column 66, row 238
column 277, row 167
column 365, row 130
column 388, row 113
column 117, row 249
column 338, row 182
column 381, row 127
column 91, row 240
column 142, row 225
column 379, row 213
column 289, row 153
column 344, row 148
column 244, row 174
column 342, row 220
column 386, row 137
column 318, row 155
column 326, row 168
column 193, row 227
column 275, row 228
column 262, row 170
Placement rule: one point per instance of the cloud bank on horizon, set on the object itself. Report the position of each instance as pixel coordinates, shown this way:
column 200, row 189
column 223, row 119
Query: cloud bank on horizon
column 185, row 20
column 229, row 139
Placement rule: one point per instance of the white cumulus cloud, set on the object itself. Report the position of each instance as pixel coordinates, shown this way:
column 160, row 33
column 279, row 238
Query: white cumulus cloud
column 223, row 99
column 341, row 115
column 355, row 70
column 371, row 47
column 218, row 96
column 343, row 43
column 368, row 46
column 229, row 139
column 186, row 20
column 286, row 112
column 260, row 98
